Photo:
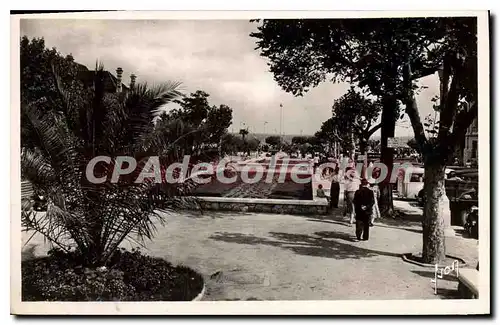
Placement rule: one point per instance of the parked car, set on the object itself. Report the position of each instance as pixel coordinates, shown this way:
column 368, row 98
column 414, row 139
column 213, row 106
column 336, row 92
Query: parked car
column 413, row 187
column 421, row 197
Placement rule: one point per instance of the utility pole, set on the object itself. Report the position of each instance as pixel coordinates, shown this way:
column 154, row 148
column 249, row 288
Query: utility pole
column 281, row 118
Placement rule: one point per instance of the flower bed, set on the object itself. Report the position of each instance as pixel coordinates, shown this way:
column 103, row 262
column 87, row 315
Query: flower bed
column 281, row 187
column 128, row 276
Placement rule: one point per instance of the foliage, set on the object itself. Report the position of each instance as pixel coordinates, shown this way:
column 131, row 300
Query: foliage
column 305, row 52
column 456, row 53
column 374, row 145
column 305, row 144
column 95, row 218
column 301, row 139
column 38, row 83
column 47, row 281
column 231, row 144
column 273, row 140
column 128, row 276
column 253, row 144
column 196, row 126
column 354, row 114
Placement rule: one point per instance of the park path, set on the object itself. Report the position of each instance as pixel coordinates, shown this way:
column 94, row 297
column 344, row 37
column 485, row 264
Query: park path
column 249, row 256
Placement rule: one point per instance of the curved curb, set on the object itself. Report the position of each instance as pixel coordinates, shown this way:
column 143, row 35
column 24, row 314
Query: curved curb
column 406, row 258
column 201, row 294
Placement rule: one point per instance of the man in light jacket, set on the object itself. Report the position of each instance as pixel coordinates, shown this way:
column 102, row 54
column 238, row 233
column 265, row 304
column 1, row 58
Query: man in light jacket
column 351, row 185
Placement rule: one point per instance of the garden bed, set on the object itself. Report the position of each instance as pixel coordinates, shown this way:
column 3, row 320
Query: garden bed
column 129, row 276
column 277, row 188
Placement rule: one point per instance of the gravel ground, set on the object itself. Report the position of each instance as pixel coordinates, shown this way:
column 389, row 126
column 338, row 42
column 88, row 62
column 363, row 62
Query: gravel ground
column 250, row 256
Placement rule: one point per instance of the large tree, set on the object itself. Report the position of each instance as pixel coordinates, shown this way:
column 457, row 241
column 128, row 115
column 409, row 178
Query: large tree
column 38, row 83
column 456, row 52
column 387, row 57
column 356, row 115
column 329, row 137
column 366, row 52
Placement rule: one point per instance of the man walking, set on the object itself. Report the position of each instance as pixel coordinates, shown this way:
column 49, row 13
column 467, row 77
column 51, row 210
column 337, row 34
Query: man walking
column 363, row 206
column 351, row 183
column 376, row 193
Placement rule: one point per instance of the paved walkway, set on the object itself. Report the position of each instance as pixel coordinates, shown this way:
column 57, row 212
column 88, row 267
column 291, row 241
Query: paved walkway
column 250, row 256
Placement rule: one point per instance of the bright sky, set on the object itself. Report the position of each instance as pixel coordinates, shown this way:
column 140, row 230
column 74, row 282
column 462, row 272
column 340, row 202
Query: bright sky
column 217, row 56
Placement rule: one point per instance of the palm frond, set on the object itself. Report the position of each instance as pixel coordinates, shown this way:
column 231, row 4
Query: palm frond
column 54, row 142
column 98, row 217
column 36, row 169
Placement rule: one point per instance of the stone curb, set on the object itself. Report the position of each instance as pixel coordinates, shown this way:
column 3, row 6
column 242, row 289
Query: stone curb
column 201, row 294
column 406, row 258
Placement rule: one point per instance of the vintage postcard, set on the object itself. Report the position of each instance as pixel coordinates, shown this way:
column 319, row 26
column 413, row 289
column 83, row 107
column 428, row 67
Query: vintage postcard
column 222, row 163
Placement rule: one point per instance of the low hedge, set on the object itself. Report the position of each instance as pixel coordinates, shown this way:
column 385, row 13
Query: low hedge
column 128, row 276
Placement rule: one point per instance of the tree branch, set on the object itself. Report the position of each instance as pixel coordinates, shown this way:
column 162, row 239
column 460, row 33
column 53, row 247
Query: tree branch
column 424, row 72
column 449, row 104
column 463, row 121
column 412, row 110
column 374, row 129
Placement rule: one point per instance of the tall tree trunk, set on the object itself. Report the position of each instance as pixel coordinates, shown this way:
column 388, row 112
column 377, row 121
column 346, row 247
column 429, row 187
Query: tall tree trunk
column 389, row 116
column 436, row 207
column 363, row 143
column 362, row 146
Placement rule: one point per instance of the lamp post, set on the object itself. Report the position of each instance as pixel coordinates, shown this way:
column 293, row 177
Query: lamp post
column 281, row 121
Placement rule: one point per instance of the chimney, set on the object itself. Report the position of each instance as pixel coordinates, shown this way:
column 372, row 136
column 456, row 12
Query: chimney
column 132, row 80
column 119, row 72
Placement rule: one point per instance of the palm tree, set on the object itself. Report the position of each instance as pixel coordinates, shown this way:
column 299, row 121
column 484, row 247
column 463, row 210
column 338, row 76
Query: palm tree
column 243, row 133
column 95, row 219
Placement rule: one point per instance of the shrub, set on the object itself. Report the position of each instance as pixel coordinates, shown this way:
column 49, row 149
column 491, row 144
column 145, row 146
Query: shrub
column 127, row 276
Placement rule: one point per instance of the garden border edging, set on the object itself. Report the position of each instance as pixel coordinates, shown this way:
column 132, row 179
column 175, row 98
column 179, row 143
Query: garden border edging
column 406, row 258
column 201, row 294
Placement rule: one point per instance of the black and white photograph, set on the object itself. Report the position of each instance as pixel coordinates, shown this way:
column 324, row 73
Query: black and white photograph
column 250, row 163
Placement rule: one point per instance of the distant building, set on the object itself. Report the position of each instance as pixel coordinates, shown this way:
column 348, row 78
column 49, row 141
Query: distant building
column 470, row 150
column 112, row 84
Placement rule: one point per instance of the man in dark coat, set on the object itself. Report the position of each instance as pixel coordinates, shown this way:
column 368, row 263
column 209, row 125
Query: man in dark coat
column 363, row 206
column 335, row 189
